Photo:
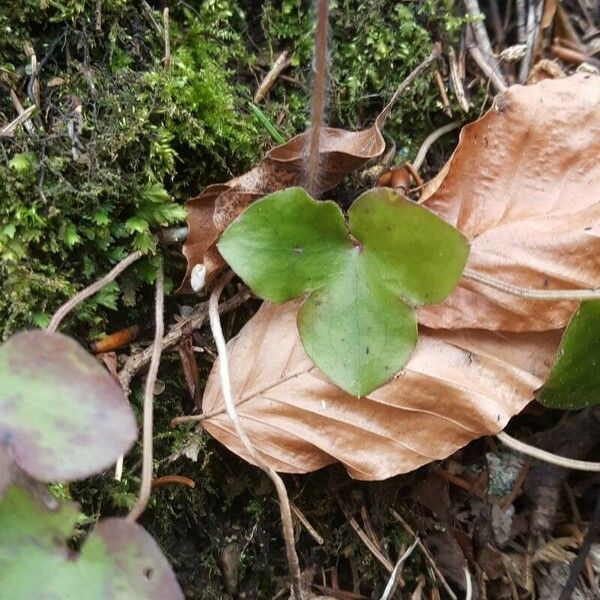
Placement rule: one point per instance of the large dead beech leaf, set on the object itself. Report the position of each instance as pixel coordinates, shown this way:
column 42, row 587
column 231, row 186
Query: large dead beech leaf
column 457, row 386
column 341, row 153
column 523, row 186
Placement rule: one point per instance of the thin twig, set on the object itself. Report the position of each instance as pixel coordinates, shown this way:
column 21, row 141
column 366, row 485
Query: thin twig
column 534, row 18
column 7, row 131
column 173, row 479
column 148, row 11
column 456, row 81
column 394, row 579
column 532, row 294
column 442, row 89
column 167, row 57
column 20, row 110
column 92, row 289
column 479, row 30
column 367, row 541
column 318, row 96
column 283, row 61
column 469, row 585
column 545, row 456
column 311, row 530
column 431, row 139
column 426, row 552
column 491, row 73
column 590, row 537
column 147, row 458
column 384, row 114
column 284, row 503
column 135, row 362
column 521, row 21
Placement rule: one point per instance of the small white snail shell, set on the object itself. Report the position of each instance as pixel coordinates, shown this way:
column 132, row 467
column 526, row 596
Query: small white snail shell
column 198, row 277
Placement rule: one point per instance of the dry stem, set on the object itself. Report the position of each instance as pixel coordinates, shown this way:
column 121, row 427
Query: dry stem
column 147, row 459
column 318, row 96
column 136, row 362
column 549, row 457
column 167, row 39
column 532, row 294
column 431, row 139
column 494, row 78
column 394, row 579
column 95, row 287
column 21, row 118
column 426, row 552
column 283, row 61
column 284, row 503
column 384, row 114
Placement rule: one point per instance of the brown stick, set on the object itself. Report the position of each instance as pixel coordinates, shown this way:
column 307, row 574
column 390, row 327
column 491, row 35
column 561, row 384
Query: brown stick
column 147, row 460
column 282, row 62
column 173, row 479
column 136, row 362
column 318, row 96
column 443, row 94
column 385, row 113
column 569, row 55
column 494, row 78
column 167, row 57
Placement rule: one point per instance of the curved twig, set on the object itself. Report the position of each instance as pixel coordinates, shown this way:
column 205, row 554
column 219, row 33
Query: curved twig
column 430, row 139
column 147, row 461
column 90, row 290
column 549, row 457
column 529, row 293
column 284, row 503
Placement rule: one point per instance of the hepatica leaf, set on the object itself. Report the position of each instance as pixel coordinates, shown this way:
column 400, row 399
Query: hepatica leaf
column 62, row 413
column 574, row 381
column 119, row 560
column 358, row 325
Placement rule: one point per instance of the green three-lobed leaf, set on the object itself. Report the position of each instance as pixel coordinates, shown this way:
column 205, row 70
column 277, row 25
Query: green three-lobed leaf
column 357, row 325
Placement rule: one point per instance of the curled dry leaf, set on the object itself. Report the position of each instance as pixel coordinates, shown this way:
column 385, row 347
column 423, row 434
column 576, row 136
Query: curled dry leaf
column 523, row 186
column 457, row 386
column 208, row 215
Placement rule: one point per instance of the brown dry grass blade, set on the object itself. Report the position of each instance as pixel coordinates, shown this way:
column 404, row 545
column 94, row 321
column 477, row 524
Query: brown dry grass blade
column 523, row 186
column 458, row 385
column 341, row 153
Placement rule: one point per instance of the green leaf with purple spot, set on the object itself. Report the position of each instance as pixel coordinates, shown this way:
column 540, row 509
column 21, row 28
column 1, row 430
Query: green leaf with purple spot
column 119, row 560
column 358, row 324
column 61, row 412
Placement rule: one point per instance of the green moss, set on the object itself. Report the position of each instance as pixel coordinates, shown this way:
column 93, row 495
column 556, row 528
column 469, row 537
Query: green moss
column 120, row 142
column 373, row 46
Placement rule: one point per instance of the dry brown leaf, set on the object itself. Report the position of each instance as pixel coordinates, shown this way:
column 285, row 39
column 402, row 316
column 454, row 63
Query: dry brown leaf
column 208, row 214
column 457, row 386
column 523, row 186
